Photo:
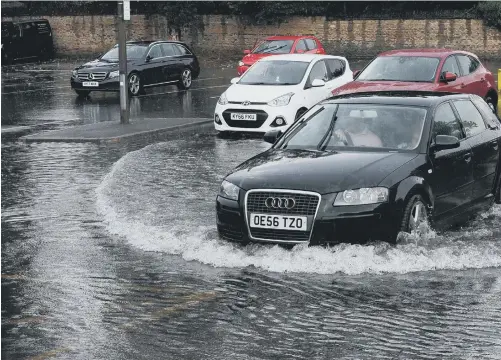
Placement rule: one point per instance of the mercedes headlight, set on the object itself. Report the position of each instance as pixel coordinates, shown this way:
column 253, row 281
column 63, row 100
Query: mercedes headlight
column 74, row 74
column 281, row 100
column 222, row 99
column 114, row 74
column 241, row 63
column 362, row 196
column 228, row 190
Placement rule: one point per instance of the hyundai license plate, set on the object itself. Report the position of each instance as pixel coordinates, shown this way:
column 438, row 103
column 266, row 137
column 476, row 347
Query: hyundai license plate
column 279, row 222
column 90, row 83
column 241, row 116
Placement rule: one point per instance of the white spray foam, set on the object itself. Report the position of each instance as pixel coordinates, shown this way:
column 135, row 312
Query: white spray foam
column 199, row 243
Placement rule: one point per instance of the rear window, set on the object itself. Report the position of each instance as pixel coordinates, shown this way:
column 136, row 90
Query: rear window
column 401, row 68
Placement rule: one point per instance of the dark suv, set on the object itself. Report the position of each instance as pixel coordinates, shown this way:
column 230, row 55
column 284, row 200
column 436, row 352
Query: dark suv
column 26, row 39
column 149, row 64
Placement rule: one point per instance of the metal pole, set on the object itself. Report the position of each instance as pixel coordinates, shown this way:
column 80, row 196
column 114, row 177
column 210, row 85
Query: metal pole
column 122, row 59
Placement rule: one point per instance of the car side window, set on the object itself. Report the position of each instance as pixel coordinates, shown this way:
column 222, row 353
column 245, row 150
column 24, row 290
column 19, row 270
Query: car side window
column 182, row 50
column 487, row 112
column 155, row 52
column 472, row 120
column 301, row 45
column 336, row 68
column 467, row 64
column 446, row 123
column 312, row 44
column 319, row 71
column 169, row 50
column 451, row 66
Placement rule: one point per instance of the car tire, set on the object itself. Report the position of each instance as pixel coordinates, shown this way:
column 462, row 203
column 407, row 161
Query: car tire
column 416, row 212
column 186, row 80
column 492, row 104
column 82, row 93
column 135, row 84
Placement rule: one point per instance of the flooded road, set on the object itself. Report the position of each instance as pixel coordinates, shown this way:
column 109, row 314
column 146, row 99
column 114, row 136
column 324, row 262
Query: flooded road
column 111, row 252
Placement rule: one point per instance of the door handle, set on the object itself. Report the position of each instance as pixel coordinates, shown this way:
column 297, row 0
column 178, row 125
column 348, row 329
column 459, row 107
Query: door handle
column 463, row 85
column 467, row 158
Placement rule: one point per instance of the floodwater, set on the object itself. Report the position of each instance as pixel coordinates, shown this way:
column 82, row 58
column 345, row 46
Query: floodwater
column 111, row 252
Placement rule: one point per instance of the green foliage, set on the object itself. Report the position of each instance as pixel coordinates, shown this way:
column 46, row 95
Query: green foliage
column 490, row 12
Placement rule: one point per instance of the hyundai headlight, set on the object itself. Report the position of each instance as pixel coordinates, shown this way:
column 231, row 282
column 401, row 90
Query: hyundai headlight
column 281, row 100
column 229, row 190
column 222, row 99
column 114, row 74
column 363, row 196
column 241, row 63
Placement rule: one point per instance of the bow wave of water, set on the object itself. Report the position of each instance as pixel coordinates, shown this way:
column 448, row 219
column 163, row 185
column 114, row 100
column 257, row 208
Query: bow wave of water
column 162, row 198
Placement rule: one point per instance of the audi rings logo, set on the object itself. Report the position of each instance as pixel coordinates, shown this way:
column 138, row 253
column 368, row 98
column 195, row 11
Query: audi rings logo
column 280, row 203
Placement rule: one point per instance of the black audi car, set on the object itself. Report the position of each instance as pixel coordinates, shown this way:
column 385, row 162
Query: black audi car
column 149, row 64
column 366, row 166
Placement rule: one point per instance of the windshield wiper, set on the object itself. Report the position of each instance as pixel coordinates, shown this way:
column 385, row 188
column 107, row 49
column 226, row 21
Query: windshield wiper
column 328, row 135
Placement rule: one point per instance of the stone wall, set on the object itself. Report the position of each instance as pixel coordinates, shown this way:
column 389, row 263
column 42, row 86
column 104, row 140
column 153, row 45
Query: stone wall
column 217, row 36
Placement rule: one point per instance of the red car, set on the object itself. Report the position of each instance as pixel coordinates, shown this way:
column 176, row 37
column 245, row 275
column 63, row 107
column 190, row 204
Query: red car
column 275, row 45
column 427, row 70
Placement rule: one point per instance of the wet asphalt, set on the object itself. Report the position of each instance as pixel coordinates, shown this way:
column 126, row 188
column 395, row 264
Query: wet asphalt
column 110, row 252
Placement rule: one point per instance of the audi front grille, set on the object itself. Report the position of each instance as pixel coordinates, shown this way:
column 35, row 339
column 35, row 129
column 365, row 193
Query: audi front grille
column 305, row 204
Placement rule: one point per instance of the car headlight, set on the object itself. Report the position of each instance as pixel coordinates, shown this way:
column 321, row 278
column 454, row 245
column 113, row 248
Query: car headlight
column 222, row 99
column 229, row 190
column 74, row 74
column 241, row 63
column 281, row 100
column 114, row 74
column 362, row 196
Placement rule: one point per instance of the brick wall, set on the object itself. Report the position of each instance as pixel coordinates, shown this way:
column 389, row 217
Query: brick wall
column 221, row 37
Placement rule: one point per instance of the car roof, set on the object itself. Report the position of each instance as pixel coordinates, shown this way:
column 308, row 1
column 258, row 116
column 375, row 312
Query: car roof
column 300, row 57
column 423, row 52
column 288, row 37
column 149, row 42
column 416, row 98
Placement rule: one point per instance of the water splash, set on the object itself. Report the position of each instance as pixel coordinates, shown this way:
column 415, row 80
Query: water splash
column 129, row 204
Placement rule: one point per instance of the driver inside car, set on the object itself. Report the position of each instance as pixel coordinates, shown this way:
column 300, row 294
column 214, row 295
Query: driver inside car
column 356, row 132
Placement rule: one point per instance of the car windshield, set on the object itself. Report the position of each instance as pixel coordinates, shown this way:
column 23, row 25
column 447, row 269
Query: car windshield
column 357, row 126
column 275, row 72
column 401, row 68
column 134, row 51
column 274, row 47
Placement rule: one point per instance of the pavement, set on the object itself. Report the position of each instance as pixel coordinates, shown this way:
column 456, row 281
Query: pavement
column 111, row 132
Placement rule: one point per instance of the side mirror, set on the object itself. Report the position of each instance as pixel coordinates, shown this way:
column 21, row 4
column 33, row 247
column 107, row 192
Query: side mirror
column 317, row 83
column 355, row 73
column 443, row 142
column 148, row 58
column 272, row 136
column 246, row 52
column 448, row 77
column 234, row 80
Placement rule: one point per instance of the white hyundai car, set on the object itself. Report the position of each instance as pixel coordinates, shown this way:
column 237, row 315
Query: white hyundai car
column 277, row 90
